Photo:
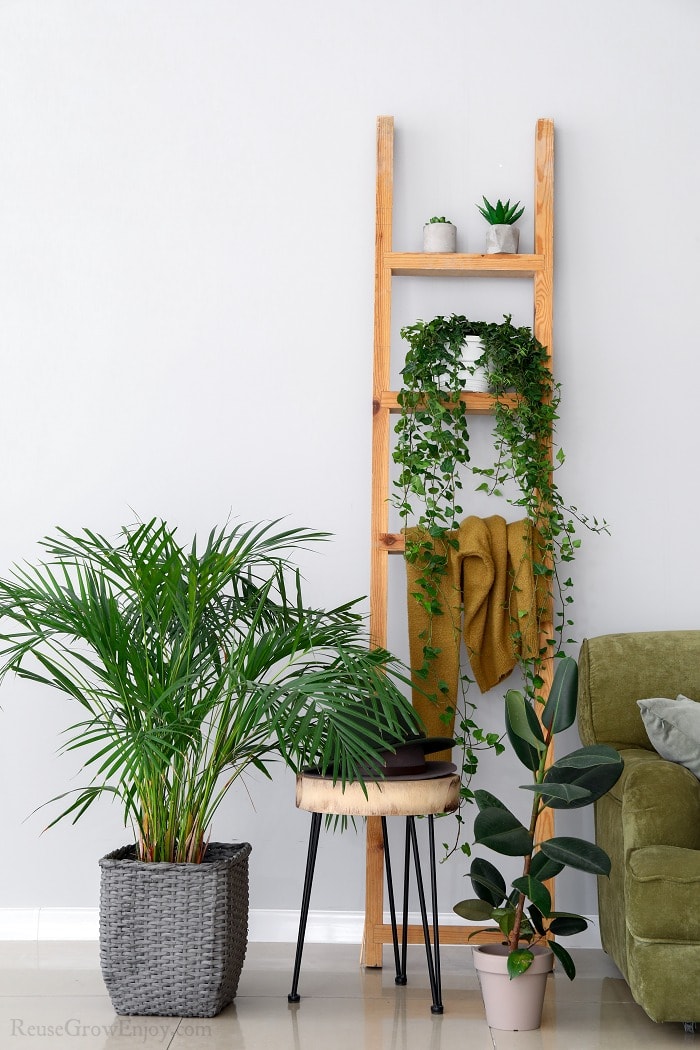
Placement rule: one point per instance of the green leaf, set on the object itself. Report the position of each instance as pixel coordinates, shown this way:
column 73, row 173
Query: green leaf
column 485, row 800
column 474, row 910
column 536, row 919
column 505, row 917
column 195, row 664
column 520, row 721
column 560, row 710
column 487, row 881
column 542, row 868
column 564, row 958
column 523, row 729
column 563, row 793
column 592, row 769
column 591, row 756
column 534, row 891
column 577, row 853
column 519, row 961
column 566, row 924
column 501, row 831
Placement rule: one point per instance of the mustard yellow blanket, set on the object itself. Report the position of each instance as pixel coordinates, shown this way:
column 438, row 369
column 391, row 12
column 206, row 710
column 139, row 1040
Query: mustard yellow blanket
column 490, row 597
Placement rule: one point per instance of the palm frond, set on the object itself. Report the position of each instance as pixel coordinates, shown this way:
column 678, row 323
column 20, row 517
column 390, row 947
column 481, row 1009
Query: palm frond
column 193, row 665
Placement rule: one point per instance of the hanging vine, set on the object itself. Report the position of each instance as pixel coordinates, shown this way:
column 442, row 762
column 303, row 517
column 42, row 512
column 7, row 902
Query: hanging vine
column 432, row 454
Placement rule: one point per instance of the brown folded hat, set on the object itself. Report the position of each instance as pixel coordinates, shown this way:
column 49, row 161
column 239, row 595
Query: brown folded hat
column 407, row 761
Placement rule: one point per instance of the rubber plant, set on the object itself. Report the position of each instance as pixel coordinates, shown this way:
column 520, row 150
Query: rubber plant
column 432, row 453
column 573, row 781
column 192, row 665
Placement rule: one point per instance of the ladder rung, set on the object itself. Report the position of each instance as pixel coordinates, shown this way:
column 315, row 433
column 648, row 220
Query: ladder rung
column 452, row 264
column 477, row 403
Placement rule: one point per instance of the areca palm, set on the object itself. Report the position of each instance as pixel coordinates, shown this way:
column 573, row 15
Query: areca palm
column 192, row 665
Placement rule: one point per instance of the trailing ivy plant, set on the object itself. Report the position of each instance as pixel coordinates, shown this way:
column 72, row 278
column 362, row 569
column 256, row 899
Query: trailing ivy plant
column 432, row 453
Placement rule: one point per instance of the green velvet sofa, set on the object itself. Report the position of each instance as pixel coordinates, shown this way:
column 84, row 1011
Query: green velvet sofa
column 649, row 823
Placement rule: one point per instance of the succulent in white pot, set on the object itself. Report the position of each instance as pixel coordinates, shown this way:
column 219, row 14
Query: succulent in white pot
column 439, row 235
column 502, row 236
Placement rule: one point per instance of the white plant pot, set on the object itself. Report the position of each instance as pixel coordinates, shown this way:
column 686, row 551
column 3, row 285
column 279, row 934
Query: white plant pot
column 439, row 237
column 502, row 239
column 472, row 349
column 512, row 1006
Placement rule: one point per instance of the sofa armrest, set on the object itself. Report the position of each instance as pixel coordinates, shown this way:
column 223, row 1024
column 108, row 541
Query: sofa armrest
column 661, row 807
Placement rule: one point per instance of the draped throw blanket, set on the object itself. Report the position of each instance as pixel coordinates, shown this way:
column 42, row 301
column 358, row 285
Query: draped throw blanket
column 490, row 596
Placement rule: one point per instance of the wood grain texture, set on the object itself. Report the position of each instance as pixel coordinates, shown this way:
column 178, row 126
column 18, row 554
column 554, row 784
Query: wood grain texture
column 452, row 264
column 388, row 263
column 379, row 570
column 388, row 798
column 371, row 954
column 477, row 403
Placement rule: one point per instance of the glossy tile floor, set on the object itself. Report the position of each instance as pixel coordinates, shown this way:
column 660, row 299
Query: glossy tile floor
column 51, row 994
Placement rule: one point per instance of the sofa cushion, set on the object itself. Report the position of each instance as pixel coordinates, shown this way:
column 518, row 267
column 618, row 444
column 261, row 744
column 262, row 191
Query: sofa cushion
column 673, row 728
column 662, row 884
column 631, row 757
column 616, row 670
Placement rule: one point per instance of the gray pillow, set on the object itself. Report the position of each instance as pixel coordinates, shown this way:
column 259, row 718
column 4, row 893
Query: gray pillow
column 673, row 728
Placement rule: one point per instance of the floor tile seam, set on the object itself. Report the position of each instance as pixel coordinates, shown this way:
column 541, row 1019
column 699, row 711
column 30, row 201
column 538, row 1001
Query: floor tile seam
column 53, row 995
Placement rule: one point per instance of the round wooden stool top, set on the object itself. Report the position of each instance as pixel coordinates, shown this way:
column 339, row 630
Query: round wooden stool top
column 385, row 798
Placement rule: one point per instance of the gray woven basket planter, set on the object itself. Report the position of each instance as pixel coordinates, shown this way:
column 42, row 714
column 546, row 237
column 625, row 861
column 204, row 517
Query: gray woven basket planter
column 173, row 937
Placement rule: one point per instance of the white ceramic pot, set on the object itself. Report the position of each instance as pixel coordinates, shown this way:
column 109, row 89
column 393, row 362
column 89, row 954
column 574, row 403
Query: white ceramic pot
column 472, row 349
column 439, row 237
column 502, row 239
column 512, row 1006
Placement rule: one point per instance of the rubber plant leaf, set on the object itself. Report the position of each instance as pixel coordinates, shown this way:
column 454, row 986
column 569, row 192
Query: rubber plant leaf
column 577, row 853
column 474, row 910
column 566, row 925
column 487, row 881
column 564, row 958
column 563, row 792
column 523, row 729
column 543, row 868
column 519, row 961
column 485, row 800
column 502, row 832
column 560, row 710
column 593, row 770
column 535, row 891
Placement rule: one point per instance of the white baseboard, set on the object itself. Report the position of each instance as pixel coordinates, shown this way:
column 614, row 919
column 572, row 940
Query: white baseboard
column 267, row 925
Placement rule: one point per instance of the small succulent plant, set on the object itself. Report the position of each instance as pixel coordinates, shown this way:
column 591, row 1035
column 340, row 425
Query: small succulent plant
column 500, row 215
column 436, row 218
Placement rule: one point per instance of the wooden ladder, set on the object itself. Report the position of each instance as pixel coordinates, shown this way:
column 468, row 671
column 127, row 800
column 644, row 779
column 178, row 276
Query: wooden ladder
column 537, row 267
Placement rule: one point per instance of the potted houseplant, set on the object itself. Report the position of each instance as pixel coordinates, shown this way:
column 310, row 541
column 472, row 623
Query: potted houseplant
column 189, row 666
column 523, row 910
column 439, row 235
column 502, row 237
column 432, row 453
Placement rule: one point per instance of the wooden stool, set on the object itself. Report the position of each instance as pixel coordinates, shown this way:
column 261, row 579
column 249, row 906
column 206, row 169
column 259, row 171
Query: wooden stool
column 387, row 798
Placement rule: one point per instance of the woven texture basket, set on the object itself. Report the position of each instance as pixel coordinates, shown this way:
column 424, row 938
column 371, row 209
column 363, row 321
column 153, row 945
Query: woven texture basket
column 173, row 937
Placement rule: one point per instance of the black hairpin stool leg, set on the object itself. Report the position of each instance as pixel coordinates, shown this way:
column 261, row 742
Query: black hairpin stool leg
column 402, row 979
column 294, row 996
column 433, row 970
column 400, row 976
column 436, row 924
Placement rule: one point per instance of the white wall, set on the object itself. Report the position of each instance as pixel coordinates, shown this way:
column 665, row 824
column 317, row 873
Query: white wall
column 186, row 277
